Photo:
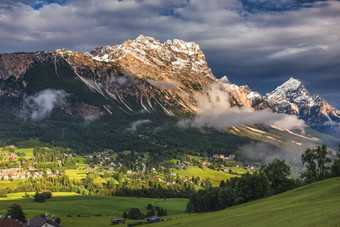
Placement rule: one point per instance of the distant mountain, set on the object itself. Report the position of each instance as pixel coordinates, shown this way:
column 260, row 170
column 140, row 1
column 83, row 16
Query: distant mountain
column 293, row 98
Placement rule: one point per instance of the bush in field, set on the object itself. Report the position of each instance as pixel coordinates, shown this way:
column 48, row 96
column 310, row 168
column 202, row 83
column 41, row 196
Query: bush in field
column 41, row 197
column 135, row 214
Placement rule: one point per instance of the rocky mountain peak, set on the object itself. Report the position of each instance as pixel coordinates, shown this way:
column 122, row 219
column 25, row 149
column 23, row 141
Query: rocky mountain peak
column 146, row 57
column 143, row 39
column 291, row 91
column 292, row 83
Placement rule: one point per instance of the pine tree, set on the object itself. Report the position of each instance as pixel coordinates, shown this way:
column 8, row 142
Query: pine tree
column 16, row 212
column 125, row 215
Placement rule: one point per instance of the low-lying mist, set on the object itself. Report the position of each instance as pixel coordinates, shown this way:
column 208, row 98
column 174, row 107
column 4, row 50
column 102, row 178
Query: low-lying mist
column 264, row 153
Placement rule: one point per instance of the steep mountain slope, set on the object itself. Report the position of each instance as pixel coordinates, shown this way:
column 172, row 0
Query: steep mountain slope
column 175, row 67
column 311, row 205
column 293, row 98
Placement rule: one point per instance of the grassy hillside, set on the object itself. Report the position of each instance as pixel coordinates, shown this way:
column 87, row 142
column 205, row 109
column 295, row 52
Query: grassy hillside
column 91, row 211
column 312, row 205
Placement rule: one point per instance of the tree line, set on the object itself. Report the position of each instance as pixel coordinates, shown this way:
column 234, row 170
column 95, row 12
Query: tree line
column 271, row 179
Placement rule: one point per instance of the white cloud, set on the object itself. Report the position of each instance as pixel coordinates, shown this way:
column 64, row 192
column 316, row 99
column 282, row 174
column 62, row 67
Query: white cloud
column 214, row 111
column 41, row 104
column 211, row 23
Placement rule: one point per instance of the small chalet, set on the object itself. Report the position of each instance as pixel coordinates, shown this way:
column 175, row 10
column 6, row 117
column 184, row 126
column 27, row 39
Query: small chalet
column 117, row 221
column 39, row 221
column 153, row 219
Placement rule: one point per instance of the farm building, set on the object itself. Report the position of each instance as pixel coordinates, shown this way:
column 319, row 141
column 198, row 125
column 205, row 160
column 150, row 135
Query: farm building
column 117, row 221
column 39, row 221
column 153, row 219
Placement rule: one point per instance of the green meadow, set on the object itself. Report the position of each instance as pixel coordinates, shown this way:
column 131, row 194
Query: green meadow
column 317, row 204
column 205, row 173
column 11, row 184
column 90, row 210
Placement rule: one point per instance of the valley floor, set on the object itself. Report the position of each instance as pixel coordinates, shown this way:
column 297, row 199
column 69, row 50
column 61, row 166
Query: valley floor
column 90, row 211
column 312, row 205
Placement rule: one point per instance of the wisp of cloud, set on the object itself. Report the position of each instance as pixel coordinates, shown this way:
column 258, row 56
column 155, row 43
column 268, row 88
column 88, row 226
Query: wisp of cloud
column 41, row 104
column 136, row 124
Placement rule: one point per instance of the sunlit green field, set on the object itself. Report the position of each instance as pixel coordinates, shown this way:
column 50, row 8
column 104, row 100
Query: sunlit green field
column 28, row 152
column 81, row 174
column 205, row 173
column 78, row 174
column 10, row 184
column 90, row 210
column 317, row 204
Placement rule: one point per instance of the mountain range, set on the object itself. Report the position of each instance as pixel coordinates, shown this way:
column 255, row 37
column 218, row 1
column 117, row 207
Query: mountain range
column 123, row 83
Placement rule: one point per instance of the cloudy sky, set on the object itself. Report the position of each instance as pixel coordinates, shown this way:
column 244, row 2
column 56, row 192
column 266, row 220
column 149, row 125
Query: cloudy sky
column 256, row 42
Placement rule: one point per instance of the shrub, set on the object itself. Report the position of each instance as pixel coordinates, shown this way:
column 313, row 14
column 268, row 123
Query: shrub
column 58, row 220
column 135, row 214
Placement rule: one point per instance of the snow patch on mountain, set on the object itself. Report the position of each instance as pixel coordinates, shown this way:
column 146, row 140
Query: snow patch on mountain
column 254, row 95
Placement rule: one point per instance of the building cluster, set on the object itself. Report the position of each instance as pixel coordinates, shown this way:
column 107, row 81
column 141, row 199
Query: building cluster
column 221, row 156
column 19, row 173
column 10, row 156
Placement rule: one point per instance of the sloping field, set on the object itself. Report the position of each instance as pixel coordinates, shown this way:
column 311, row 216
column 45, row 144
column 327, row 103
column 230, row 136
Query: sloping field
column 317, row 204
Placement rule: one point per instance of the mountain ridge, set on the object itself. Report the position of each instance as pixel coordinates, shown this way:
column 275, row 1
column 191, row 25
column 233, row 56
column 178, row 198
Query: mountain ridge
column 149, row 75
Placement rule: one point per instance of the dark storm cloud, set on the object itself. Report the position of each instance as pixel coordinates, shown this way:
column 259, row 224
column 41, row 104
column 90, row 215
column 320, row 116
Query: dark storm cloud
column 256, row 42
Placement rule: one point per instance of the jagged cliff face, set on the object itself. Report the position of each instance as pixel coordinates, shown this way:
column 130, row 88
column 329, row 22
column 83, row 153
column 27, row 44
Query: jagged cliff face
column 293, row 98
column 147, row 58
column 139, row 74
column 243, row 95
